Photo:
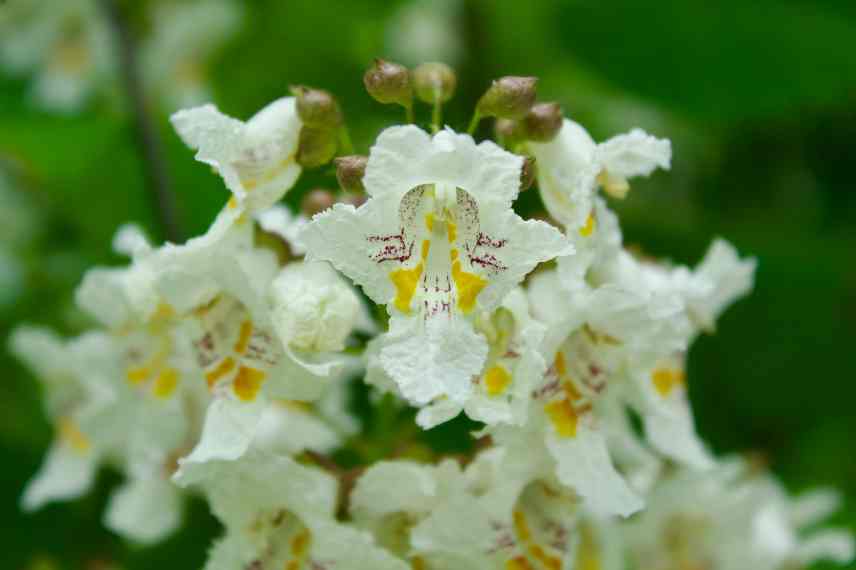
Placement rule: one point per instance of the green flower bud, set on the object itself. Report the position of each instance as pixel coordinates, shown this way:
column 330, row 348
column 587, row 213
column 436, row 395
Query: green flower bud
column 434, row 82
column 389, row 82
column 527, row 173
column 509, row 132
column 317, row 201
column 508, row 98
column 350, row 171
column 543, row 122
column 316, row 146
column 317, row 108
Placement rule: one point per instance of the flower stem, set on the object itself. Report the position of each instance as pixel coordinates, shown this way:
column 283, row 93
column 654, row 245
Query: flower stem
column 474, row 122
column 436, row 115
column 408, row 110
column 345, row 144
column 148, row 142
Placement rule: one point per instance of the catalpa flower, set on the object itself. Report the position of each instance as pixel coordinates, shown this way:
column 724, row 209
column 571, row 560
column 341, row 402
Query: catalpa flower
column 572, row 165
column 279, row 515
column 733, row 517
column 261, row 333
column 68, row 46
column 74, row 375
column 437, row 242
column 256, row 159
column 185, row 36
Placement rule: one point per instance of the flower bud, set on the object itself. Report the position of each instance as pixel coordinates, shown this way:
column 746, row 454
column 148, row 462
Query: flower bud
column 389, row 82
column 317, row 108
column 434, row 82
column 317, row 201
column 527, row 173
column 350, row 171
column 313, row 308
column 543, row 122
column 355, row 200
column 509, row 132
column 316, row 146
column 508, row 98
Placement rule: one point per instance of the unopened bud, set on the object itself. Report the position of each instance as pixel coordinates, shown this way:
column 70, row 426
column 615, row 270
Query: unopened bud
column 389, row 82
column 316, row 146
column 355, row 200
column 317, row 108
column 317, row 201
column 508, row 98
column 509, row 132
column 527, row 173
column 350, row 171
column 434, row 82
column 543, row 122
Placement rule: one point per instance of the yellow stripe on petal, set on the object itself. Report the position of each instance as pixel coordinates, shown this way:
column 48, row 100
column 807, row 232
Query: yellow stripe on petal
column 165, row 383
column 300, row 543
column 405, row 282
column 247, row 383
column 563, row 417
column 138, row 375
column 667, row 379
column 451, row 231
column 224, row 367
column 70, row 433
column 588, row 228
column 468, row 285
column 518, row 563
column 496, row 380
column 244, row 337
column 521, row 527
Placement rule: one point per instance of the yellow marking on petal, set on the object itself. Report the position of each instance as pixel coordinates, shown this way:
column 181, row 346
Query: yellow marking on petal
column 232, row 203
column 518, row 563
column 224, row 367
column 561, row 365
column 292, row 565
column 571, row 391
column 521, row 527
column 418, row 563
column 244, row 337
column 429, row 222
column 164, row 311
column 165, row 383
column 451, row 231
column 405, row 282
column 496, row 380
column 138, row 375
column 300, row 543
column 563, row 417
column 247, row 383
column 588, row 228
column 667, row 379
column 70, row 433
column 250, row 184
column 468, row 285
column 549, row 562
column 426, row 247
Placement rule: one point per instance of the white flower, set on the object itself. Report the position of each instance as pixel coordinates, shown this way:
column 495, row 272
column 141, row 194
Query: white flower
column 732, row 518
column 279, row 220
column 278, row 515
column 67, row 45
column 436, row 242
column 571, row 166
column 74, row 375
column 514, row 366
column 185, row 35
column 254, row 343
column 257, row 158
column 729, row 279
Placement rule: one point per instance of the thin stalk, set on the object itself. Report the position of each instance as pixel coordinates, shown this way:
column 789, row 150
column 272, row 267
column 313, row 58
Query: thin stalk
column 474, row 122
column 345, row 144
column 436, row 115
column 157, row 180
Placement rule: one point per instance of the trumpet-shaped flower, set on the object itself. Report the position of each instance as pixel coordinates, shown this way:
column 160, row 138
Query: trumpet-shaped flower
column 279, row 515
column 437, row 242
column 571, row 166
column 257, row 158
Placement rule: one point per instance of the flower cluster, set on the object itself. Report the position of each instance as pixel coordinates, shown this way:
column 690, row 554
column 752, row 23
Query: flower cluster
column 222, row 365
column 69, row 49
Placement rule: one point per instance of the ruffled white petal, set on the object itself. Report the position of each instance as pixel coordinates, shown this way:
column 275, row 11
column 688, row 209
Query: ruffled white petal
column 65, row 474
column 634, row 154
column 145, row 510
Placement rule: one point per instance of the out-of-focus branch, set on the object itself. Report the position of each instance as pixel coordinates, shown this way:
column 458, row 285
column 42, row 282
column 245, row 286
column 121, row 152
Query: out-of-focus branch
column 157, row 178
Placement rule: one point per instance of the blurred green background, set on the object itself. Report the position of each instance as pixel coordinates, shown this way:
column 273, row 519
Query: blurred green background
column 759, row 99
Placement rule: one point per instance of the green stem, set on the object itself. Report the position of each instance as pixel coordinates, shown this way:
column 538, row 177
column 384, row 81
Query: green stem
column 345, row 145
column 436, row 115
column 474, row 122
column 408, row 110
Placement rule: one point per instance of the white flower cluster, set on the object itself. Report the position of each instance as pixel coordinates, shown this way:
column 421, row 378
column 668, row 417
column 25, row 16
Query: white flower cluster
column 221, row 367
column 69, row 49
